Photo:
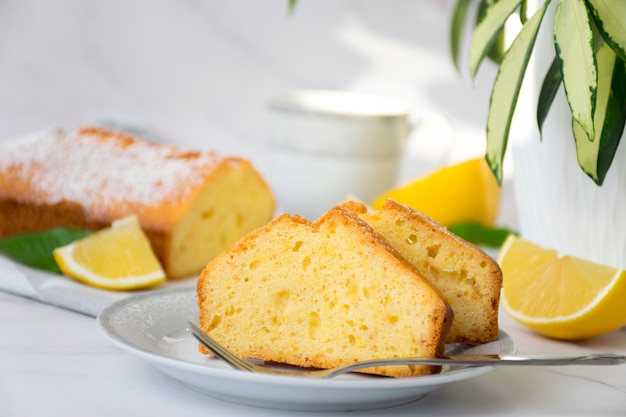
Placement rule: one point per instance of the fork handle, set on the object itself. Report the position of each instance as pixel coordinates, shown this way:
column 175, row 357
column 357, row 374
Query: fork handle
column 539, row 360
column 490, row 360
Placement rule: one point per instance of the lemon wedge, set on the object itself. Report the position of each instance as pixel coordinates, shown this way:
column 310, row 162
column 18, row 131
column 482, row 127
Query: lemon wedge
column 116, row 258
column 560, row 296
column 462, row 193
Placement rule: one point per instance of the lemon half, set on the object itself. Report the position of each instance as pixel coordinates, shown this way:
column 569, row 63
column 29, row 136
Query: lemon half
column 466, row 192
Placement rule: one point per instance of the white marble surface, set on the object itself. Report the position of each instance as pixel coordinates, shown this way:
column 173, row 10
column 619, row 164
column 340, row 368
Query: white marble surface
column 56, row 363
column 200, row 73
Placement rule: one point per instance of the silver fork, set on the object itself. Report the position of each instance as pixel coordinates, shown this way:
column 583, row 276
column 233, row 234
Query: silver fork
column 240, row 363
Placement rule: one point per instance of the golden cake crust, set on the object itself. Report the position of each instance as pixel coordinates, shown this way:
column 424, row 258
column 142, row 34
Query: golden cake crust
column 89, row 177
column 109, row 174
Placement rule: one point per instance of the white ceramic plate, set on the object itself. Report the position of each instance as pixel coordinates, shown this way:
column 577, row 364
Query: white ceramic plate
column 152, row 326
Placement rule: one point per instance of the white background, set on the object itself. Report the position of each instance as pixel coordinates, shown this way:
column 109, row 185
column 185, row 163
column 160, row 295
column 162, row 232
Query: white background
column 200, row 72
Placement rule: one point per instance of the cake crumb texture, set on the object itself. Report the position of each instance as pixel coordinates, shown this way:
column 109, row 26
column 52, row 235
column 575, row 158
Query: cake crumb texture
column 320, row 295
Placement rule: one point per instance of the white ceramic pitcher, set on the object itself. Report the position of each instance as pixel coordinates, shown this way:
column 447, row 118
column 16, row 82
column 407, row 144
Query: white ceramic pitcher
column 327, row 145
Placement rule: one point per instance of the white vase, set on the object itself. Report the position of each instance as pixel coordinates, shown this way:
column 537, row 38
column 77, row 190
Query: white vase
column 558, row 205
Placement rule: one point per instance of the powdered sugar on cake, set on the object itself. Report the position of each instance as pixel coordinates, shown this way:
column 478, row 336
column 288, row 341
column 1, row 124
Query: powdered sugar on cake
column 119, row 170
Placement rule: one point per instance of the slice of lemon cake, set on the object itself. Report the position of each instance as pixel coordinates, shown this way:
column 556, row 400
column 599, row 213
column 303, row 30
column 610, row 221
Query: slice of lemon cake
column 320, row 295
column 191, row 204
column 468, row 278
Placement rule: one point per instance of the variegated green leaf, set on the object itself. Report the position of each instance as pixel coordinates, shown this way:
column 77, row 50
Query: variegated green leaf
column 488, row 30
column 523, row 11
column 292, row 5
column 574, row 43
column 610, row 19
column 497, row 49
column 506, row 91
column 457, row 25
column 550, row 86
column 595, row 157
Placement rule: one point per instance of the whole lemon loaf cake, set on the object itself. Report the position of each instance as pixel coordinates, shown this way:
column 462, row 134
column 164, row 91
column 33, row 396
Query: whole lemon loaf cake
column 469, row 279
column 191, row 204
column 320, row 295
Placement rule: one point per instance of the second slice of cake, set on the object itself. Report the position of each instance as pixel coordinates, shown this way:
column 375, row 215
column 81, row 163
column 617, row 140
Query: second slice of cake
column 468, row 278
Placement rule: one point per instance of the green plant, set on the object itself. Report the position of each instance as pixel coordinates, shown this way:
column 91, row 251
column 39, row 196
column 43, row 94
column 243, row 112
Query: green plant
column 590, row 55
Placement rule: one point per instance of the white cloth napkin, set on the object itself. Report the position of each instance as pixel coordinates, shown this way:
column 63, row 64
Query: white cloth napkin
column 64, row 292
